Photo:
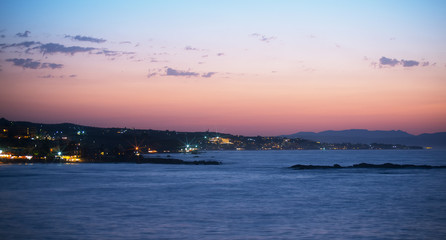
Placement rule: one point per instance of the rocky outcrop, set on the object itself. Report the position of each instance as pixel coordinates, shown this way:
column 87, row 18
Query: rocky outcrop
column 302, row 167
column 367, row 165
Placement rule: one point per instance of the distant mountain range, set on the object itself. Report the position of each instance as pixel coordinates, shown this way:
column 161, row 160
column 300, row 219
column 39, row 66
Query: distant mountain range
column 435, row 140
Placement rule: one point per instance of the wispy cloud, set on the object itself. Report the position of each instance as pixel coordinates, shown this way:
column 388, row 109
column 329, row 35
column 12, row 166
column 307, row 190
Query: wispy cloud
column 86, row 39
column 189, row 48
column 388, row 61
column 425, row 64
column 25, row 63
column 51, row 65
column 54, row 48
column 262, row 37
column 110, row 53
column 392, row 62
column 52, row 76
column 47, row 76
column 24, row 35
column 409, row 63
column 22, row 44
column 173, row 72
column 51, row 48
column 181, row 73
column 208, row 75
column 31, row 64
column 150, row 75
column 156, row 72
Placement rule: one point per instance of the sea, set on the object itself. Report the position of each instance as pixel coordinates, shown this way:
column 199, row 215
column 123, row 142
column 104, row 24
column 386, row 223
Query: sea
column 252, row 195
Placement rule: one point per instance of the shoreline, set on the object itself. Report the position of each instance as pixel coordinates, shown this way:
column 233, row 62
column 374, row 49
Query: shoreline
column 132, row 160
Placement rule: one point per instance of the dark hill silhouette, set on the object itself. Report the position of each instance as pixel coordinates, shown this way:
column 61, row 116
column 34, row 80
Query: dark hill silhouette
column 436, row 140
column 163, row 140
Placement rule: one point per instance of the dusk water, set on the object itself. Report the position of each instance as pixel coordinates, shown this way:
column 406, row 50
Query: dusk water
column 252, row 195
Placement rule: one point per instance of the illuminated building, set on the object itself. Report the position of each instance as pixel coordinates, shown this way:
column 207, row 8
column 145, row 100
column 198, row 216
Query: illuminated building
column 220, row 140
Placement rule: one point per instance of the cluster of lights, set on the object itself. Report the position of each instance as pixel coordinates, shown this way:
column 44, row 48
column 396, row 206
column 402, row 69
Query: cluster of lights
column 10, row 156
column 190, row 148
column 68, row 158
column 73, row 158
column 151, row 151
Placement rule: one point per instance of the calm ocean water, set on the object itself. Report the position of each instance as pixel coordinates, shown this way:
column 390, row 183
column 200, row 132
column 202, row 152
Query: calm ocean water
column 253, row 195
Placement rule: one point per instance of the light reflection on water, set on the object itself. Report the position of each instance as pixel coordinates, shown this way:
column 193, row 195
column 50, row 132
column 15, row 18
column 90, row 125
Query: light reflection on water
column 253, row 195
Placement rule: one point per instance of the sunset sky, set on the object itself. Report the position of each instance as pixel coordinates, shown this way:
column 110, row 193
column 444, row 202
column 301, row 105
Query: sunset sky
column 240, row 67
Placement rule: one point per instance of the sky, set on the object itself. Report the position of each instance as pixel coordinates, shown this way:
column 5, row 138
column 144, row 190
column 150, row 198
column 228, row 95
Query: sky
column 241, row 67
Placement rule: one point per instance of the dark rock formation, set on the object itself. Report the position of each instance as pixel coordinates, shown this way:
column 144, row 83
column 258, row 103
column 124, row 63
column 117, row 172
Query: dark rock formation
column 367, row 165
column 302, row 167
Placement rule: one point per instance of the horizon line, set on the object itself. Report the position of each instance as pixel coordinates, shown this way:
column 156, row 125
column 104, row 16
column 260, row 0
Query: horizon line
column 216, row 131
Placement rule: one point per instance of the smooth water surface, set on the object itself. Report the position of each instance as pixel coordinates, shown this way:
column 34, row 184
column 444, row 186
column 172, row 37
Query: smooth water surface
column 253, row 195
